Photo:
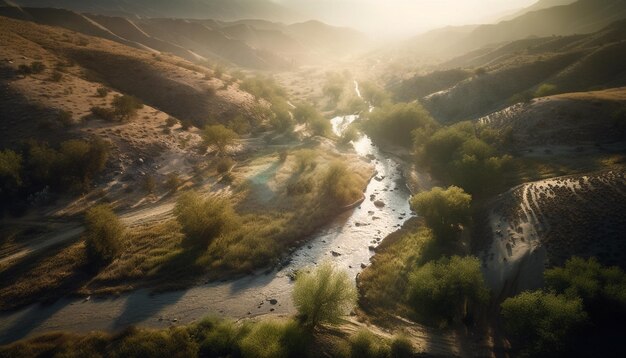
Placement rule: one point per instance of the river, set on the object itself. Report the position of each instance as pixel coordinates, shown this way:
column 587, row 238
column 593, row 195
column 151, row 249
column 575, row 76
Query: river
column 346, row 242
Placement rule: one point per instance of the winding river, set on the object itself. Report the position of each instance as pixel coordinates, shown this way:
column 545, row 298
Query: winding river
column 347, row 242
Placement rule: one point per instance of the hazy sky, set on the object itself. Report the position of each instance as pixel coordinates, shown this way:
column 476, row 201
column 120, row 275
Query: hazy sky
column 402, row 16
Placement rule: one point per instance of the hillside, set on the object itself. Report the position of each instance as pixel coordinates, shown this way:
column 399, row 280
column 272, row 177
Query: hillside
column 580, row 17
column 217, row 9
column 254, row 44
column 494, row 78
column 572, row 120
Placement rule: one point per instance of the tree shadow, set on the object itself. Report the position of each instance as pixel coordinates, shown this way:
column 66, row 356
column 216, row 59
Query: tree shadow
column 142, row 305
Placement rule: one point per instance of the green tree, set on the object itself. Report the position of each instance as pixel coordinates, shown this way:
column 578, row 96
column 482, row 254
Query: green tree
column 341, row 184
column 126, row 107
column 10, row 168
column 396, row 123
column 602, row 289
column 103, row 234
column 443, row 209
column 323, row 295
column 204, row 219
column 447, row 289
column 543, row 323
column 219, row 136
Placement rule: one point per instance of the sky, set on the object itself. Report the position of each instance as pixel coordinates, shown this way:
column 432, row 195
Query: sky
column 387, row 17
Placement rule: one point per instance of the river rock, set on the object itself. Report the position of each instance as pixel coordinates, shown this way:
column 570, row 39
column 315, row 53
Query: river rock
column 379, row 204
column 272, row 301
column 335, row 253
column 363, row 265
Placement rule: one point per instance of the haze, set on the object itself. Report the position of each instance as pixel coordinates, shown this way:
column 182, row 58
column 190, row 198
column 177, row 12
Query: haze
column 392, row 17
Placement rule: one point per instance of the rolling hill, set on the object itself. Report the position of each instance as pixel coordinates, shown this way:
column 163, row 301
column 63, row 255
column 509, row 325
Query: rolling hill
column 256, row 44
column 495, row 77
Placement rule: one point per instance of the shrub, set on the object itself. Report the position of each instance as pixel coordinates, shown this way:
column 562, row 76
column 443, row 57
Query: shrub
column 219, row 136
column 80, row 161
column 126, row 107
column 173, row 342
column 323, row 295
column 320, row 126
column 65, row 117
column 173, row 182
column 102, row 92
column 395, row 123
column 447, row 290
column 10, row 169
column 103, row 113
column 275, row 339
column 443, row 210
column 364, row 344
column 204, row 219
column 349, row 135
column 240, row 125
column 224, row 165
column 171, row 121
column 546, row 89
column 149, row 184
column 401, row 347
column 373, row 94
column 56, row 76
column 341, row 184
column 103, row 234
column 602, row 289
column 543, row 322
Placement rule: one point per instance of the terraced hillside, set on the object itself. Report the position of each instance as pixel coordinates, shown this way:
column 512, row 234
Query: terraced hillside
column 542, row 224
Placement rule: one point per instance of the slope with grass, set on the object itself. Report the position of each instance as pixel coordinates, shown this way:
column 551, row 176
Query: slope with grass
column 542, row 224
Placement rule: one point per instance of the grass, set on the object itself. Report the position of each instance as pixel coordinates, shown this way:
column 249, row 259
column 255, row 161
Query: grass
column 383, row 284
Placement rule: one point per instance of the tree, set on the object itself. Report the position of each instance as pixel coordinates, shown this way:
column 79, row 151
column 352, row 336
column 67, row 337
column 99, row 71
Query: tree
column 543, row 322
column 10, row 168
column 103, row 234
column 396, row 123
column 447, row 289
column 602, row 289
column 204, row 219
column 443, row 209
column 219, row 136
column 304, row 112
column 341, row 184
column 126, row 107
column 323, row 295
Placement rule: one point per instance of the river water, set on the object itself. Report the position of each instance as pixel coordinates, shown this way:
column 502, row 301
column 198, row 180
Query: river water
column 346, row 242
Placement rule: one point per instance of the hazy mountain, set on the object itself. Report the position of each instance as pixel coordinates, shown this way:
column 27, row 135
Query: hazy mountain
column 215, row 9
column 583, row 16
column 539, row 5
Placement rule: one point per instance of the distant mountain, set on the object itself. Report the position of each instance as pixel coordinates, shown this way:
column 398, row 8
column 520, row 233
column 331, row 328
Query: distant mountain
column 583, row 16
column 257, row 44
column 539, row 5
column 214, row 9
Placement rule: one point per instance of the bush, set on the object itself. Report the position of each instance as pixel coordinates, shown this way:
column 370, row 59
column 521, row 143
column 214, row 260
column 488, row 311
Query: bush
column 320, row 126
column 364, row 344
column 602, row 289
column 219, row 136
column 173, row 342
column 224, row 165
column 171, row 121
column 56, row 76
column 102, row 92
column 173, row 182
column 545, row 89
column 275, row 339
column 126, row 107
column 543, row 322
column 443, row 210
column 341, row 184
column 401, row 347
column 304, row 112
column 103, row 113
column 323, row 295
column 10, row 169
column 349, row 135
column 103, row 234
column 373, row 94
column 65, row 117
column 395, row 123
column 447, row 290
column 204, row 219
